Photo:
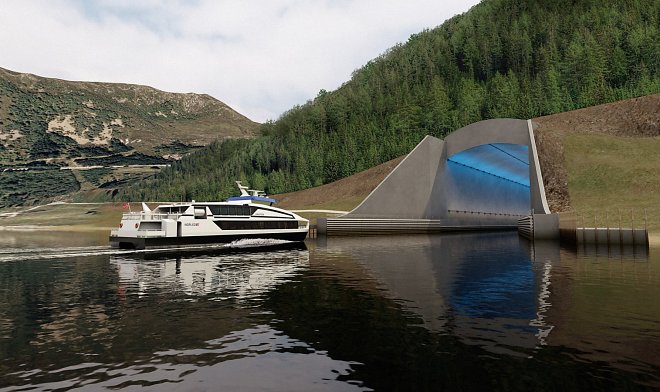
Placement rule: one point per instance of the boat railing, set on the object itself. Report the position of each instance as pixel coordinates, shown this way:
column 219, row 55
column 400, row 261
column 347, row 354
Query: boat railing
column 149, row 216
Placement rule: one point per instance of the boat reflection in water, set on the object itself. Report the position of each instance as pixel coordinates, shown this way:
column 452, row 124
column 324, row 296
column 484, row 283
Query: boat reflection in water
column 247, row 268
column 487, row 289
column 208, row 305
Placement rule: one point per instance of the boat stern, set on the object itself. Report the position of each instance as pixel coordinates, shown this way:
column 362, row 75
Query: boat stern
column 136, row 227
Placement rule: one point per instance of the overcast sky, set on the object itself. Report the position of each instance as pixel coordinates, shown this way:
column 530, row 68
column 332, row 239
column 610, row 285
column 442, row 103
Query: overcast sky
column 260, row 57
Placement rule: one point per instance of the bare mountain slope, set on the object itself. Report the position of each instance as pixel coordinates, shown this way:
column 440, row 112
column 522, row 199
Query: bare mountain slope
column 44, row 117
column 50, row 123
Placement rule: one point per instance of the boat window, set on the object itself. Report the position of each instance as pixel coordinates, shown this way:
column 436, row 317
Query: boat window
column 232, row 210
column 255, row 225
column 200, row 212
column 172, row 210
column 271, row 212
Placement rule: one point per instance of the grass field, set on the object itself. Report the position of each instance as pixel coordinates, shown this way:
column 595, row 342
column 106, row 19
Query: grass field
column 63, row 217
column 614, row 178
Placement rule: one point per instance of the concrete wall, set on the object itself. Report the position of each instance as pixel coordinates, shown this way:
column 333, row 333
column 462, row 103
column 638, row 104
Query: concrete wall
column 546, row 226
column 537, row 189
column 499, row 130
column 406, row 192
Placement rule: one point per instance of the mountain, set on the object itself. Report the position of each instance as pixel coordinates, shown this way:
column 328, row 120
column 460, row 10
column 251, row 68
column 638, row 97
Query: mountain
column 47, row 124
column 503, row 58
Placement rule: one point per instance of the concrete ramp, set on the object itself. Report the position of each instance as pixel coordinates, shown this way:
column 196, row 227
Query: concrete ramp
column 407, row 192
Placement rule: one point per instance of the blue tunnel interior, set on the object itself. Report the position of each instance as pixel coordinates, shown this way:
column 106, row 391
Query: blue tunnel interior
column 490, row 178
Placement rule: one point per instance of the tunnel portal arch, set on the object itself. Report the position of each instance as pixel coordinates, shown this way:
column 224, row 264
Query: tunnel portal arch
column 488, row 178
column 488, row 169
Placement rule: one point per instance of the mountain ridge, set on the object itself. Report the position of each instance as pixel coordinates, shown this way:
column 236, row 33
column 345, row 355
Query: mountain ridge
column 126, row 97
column 50, row 123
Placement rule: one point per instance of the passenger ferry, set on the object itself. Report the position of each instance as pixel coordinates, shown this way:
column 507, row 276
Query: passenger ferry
column 242, row 217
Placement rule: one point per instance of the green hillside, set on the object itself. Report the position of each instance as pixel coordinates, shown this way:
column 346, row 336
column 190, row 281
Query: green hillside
column 503, row 58
column 49, row 123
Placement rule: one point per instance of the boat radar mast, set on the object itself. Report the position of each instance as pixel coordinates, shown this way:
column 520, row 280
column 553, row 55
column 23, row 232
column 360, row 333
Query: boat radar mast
column 251, row 195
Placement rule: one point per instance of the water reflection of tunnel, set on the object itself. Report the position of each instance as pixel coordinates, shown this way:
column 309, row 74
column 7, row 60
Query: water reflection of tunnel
column 489, row 178
column 485, row 288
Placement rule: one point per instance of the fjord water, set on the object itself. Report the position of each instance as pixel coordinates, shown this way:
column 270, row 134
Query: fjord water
column 483, row 311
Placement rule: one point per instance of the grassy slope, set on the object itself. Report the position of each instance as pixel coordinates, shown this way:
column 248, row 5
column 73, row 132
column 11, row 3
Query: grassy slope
column 344, row 194
column 611, row 159
column 341, row 195
column 615, row 179
column 65, row 217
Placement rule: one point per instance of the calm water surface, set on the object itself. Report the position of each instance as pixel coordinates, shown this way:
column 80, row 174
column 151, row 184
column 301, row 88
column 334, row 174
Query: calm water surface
column 447, row 312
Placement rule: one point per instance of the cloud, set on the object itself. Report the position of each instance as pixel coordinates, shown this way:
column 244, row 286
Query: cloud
column 260, row 57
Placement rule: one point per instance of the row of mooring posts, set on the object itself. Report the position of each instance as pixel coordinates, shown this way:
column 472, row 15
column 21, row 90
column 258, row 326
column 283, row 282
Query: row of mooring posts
column 575, row 227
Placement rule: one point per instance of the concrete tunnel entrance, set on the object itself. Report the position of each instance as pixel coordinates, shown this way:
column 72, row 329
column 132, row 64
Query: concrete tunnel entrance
column 483, row 176
column 490, row 178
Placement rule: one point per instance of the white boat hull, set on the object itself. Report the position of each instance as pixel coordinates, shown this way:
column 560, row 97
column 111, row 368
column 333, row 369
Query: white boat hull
column 152, row 241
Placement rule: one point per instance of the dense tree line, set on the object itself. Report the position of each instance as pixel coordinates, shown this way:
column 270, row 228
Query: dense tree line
column 503, row 58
